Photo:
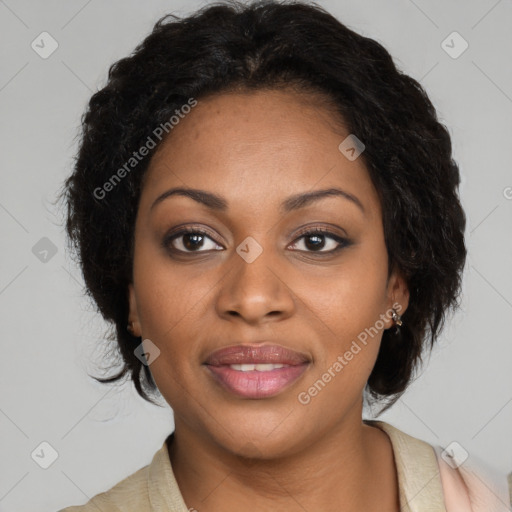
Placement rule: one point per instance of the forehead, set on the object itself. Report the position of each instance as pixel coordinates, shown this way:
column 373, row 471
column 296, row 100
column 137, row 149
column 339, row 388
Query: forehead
column 257, row 147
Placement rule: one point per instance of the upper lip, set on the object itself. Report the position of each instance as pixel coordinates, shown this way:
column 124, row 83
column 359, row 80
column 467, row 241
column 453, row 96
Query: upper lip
column 255, row 354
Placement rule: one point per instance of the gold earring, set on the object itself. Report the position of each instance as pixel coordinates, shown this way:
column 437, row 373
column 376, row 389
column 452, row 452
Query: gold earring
column 397, row 318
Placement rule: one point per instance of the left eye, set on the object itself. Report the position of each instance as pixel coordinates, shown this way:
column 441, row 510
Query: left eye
column 316, row 241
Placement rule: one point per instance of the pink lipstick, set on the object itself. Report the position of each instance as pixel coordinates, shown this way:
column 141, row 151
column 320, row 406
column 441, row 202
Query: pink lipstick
column 256, row 371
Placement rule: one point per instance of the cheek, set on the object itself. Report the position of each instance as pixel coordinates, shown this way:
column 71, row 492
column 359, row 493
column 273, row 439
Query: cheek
column 167, row 293
column 345, row 311
column 167, row 315
column 164, row 311
column 350, row 298
column 348, row 347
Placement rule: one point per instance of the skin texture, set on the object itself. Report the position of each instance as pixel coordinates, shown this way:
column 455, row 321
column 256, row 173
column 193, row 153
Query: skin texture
column 256, row 149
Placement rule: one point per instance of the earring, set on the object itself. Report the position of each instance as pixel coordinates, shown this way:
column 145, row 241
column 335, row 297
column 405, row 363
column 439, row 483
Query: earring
column 129, row 328
column 397, row 318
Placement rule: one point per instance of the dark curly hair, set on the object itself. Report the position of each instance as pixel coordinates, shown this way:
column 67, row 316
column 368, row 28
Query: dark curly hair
column 230, row 46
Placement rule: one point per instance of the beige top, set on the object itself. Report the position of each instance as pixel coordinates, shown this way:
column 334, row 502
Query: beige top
column 154, row 487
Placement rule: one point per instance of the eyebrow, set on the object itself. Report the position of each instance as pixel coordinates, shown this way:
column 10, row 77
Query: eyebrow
column 295, row 202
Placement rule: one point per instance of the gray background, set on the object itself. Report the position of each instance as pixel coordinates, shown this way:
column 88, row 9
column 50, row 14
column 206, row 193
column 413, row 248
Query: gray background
column 51, row 336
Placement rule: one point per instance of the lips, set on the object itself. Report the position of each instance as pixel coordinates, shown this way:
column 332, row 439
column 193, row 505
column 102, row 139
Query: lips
column 256, row 354
column 256, row 371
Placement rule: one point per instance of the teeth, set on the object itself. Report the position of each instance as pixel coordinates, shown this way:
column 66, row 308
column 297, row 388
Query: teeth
column 257, row 367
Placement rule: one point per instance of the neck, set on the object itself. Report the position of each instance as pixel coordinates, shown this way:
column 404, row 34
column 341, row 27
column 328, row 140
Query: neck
column 346, row 469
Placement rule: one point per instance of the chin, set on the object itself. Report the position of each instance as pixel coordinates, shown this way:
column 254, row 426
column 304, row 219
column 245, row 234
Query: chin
column 263, row 440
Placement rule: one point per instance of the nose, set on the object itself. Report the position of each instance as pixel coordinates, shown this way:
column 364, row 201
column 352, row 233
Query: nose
column 255, row 291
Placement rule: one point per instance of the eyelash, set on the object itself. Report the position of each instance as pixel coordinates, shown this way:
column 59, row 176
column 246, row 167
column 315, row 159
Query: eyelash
column 342, row 242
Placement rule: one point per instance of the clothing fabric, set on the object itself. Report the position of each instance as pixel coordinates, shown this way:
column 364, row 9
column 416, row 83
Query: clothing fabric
column 427, row 481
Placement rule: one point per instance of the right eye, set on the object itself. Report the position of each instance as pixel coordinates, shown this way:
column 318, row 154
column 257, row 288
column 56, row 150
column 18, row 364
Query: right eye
column 190, row 240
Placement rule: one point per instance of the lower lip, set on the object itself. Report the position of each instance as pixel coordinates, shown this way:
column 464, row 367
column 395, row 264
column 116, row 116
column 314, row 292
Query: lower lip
column 254, row 384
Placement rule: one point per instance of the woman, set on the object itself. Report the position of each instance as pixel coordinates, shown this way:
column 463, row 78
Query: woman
column 267, row 210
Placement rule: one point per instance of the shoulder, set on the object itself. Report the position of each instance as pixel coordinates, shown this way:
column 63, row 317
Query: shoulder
column 468, row 479
column 465, row 482
column 153, row 487
column 417, row 470
column 132, row 491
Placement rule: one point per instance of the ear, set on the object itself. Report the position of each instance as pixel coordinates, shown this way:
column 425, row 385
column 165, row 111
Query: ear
column 133, row 315
column 397, row 295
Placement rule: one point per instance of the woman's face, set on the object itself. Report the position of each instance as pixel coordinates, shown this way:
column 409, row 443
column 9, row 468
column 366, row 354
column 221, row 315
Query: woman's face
column 253, row 278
